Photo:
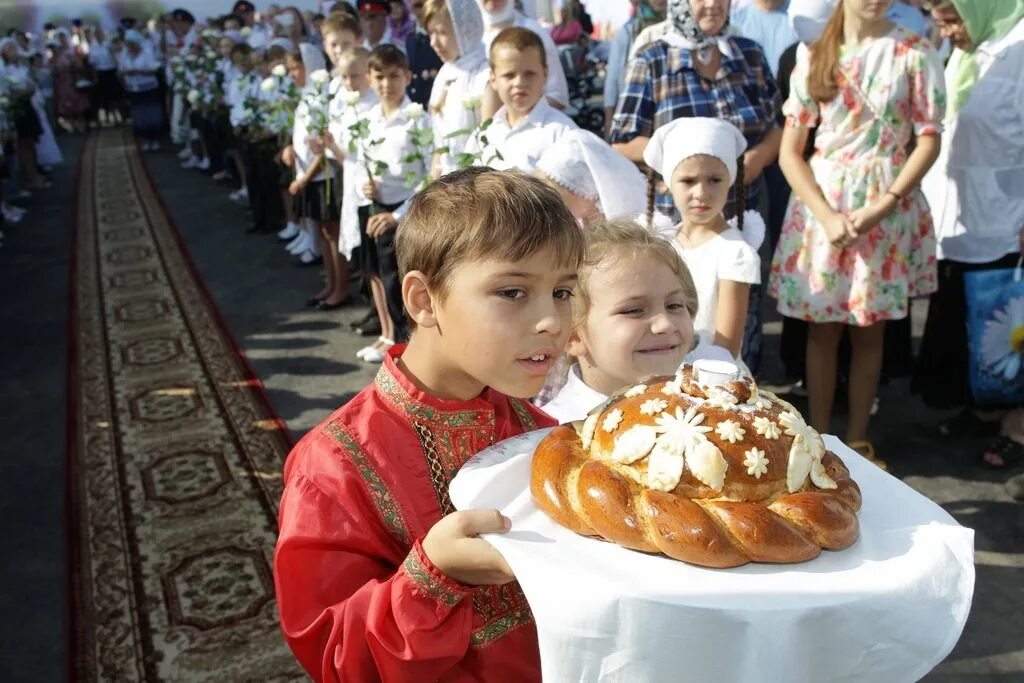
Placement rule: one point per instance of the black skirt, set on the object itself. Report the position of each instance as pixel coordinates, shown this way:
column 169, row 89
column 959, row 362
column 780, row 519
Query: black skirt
column 318, row 201
column 26, row 120
column 940, row 375
column 108, row 88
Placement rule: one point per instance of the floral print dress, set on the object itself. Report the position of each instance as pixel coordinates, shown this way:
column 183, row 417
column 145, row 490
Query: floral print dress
column 859, row 149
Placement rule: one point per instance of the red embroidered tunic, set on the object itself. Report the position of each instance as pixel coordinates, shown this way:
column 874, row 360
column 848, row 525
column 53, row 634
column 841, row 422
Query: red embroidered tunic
column 359, row 601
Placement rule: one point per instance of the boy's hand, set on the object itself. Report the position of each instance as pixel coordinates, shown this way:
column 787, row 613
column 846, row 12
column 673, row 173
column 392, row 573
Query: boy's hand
column 316, row 145
column 454, row 547
column 380, row 223
column 296, row 187
column 371, row 189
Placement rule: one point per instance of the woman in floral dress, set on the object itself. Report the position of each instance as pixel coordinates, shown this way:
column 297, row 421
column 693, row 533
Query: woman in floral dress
column 858, row 242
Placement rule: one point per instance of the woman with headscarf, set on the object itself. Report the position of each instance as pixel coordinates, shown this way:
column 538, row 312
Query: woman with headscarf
column 858, row 242
column 647, row 13
column 976, row 194
column 400, row 22
column 137, row 68
column 456, row 30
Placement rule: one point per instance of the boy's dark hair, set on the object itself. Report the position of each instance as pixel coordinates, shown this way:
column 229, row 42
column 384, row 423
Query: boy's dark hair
column 384, row 56
column 275, row 53
column 341, row 21
column 518, row 39
column 479, row 213
column 241, row 49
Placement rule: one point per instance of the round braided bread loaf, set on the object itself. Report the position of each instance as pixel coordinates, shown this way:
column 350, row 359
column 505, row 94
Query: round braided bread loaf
column 717, row 475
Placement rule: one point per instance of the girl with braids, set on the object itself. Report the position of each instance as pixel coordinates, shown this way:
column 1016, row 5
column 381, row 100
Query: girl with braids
column 700, row 159
column 857, row 242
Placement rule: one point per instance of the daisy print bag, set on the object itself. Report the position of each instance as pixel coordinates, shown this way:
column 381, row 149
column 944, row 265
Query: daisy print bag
column 995, row 335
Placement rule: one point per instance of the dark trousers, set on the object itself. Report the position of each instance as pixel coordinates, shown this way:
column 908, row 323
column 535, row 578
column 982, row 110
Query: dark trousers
column 263, row 175
column 378, row 257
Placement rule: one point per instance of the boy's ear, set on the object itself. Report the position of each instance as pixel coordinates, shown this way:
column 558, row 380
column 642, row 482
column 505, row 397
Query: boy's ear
column 419, row 302
column 576, row 347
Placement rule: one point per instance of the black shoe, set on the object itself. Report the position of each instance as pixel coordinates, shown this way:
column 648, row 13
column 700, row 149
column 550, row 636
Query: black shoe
column 315, row 262
column 370, row 329
column 324, row 306
column 371, row 315
column 314, row 301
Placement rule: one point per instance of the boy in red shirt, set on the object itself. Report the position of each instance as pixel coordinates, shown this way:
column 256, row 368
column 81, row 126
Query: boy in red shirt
column 377, row 576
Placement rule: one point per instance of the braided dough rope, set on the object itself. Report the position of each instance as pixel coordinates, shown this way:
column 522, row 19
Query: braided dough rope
column 715, row 476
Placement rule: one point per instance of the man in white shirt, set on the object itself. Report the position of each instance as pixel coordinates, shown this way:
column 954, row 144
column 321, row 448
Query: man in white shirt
column 526, row 124
column 502, row 14
column 766, row 22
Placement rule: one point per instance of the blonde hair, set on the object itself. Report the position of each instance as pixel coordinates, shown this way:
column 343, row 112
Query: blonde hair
column 434, row 9
column 355, row 55
column 624, row 238
column 478, row 213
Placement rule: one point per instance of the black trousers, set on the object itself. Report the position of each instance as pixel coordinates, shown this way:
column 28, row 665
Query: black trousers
column 264, row 187
column 378, row 257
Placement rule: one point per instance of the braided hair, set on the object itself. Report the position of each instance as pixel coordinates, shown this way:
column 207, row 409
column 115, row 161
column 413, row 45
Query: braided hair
column 741, row 194
column 652, row 180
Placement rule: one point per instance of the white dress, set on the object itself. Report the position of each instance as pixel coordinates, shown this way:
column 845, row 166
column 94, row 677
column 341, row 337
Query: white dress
column 727, row 256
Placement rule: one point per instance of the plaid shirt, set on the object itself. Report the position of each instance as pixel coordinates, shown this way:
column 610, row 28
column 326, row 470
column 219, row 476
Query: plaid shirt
column 662, row 85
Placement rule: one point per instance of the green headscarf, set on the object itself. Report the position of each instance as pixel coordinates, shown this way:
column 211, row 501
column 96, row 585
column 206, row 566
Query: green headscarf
column 984, row 20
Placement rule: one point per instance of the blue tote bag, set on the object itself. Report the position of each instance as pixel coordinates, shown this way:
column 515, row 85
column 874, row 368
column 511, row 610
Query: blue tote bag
column 995, row 335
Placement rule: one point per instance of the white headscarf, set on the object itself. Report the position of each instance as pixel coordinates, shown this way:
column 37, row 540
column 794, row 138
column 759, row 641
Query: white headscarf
column 684, row 32
column 808, row 18
column 586, row 165
column 688, row 136
column 494, row 18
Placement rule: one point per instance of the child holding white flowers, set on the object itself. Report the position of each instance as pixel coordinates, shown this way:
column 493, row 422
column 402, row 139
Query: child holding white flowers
column 392, row 167
column 700, row 159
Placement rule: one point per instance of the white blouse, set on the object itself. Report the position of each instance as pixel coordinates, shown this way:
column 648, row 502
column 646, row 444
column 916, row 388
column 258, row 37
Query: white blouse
column 976, row 187
column 521, row 146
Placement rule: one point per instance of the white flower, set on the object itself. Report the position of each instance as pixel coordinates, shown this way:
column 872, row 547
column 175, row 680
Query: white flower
column 636, row 391
column 246, row 114
column 683, row 427
column 612, row 420
column 804, row 436
column 208, row 33
column 246, row 31
column 665, row 465
column 1002, row 342
column 471, row 102
column 730, row 431
column 279, row 70
column 653, row 406
column 766, row 428
column 673, row 388
column 634, row 443
column 350, row 98
column 193, row 96
column 755, row 462
column 413, row 112
column 210, row 54
column 759, row 401
column 319, row 77
column 269, row 84
column 719, row 398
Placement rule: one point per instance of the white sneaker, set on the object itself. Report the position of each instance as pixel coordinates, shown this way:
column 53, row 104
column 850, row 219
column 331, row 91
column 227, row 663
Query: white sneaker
column 298, row 245
column 240, row 195
column 373, row 355
column 185, row 153
column 363, row 351
column 154, row 146
column 307, row 257
column 289, row 232
column 204, row 165
column 193, row 162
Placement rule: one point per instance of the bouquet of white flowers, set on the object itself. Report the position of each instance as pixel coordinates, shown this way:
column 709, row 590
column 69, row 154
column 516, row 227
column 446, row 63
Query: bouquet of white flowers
column 476, row 135
column 422, row 139
column 279, row 112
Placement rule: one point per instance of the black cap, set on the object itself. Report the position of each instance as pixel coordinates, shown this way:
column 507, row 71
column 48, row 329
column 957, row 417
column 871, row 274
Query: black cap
column 183, row 15
column 243, row 7
column 128, row 22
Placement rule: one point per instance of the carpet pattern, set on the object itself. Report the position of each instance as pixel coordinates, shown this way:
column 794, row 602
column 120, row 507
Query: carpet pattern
column 174, row 455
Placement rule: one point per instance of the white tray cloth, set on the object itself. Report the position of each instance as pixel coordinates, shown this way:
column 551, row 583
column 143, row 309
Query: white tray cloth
column 889, row 608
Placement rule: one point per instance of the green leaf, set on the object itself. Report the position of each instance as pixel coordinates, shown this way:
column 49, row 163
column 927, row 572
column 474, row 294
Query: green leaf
column 457, row 133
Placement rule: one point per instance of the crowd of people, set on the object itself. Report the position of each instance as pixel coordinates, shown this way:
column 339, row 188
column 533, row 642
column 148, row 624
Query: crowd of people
column 327, row 126
column 861, row 154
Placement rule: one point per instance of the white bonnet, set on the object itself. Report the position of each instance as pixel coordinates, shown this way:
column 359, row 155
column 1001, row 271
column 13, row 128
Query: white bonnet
column 808, row 18
column 690, row 136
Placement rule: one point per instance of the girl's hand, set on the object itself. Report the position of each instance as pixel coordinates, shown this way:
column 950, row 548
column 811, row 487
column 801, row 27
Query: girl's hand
column 316, row 145
column 371, row 189
column 840, row 230
column 867, row 217
column 454, row 546
column 296, row 187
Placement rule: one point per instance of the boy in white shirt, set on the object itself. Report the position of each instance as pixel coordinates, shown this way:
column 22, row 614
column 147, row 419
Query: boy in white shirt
column 391, row 177
column 525, row 125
